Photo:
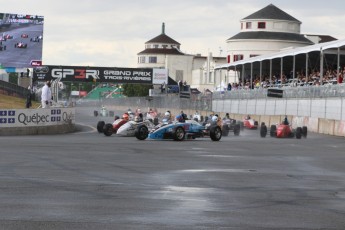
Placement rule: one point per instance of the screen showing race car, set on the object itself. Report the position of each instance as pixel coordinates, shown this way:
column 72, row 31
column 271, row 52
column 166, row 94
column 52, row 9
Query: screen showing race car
column 21, row 40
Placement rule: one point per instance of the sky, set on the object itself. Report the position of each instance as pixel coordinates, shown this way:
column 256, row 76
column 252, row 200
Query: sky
column 110, row 33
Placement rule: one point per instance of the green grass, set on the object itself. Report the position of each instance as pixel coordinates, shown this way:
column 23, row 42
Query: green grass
column 10, row 102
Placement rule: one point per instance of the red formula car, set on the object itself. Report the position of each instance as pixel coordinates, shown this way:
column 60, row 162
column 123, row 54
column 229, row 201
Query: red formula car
column 283, row 131
column 24, row 35
column 250, row 123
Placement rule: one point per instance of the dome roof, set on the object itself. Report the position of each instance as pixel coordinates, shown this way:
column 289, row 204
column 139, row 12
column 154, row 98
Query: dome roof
column 271, row 12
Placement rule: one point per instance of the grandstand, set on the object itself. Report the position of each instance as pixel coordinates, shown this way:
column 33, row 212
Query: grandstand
column 105, row 91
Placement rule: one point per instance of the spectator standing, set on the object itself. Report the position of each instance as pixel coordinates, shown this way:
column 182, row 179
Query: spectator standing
column 229, row 87
column 46, row 95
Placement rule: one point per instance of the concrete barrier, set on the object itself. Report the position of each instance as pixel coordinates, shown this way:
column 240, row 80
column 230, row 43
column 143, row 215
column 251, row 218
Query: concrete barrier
column 339, row 128
column 37, row 130
column 326, row 126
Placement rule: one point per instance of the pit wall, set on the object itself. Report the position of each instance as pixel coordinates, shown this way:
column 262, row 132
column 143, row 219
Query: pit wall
column 316, row 125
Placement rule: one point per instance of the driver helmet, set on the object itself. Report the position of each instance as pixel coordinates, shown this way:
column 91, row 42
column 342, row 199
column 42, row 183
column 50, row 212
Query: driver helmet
column 179, row 118
column 125, row 116
column 116, row 117
column 215, row 118
column 167, row 114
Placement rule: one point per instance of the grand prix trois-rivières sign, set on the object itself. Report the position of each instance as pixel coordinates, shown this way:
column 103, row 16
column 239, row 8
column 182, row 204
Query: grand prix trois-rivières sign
column 100, row 74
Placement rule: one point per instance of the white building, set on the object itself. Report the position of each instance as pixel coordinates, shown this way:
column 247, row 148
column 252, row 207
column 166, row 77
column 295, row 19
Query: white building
column 266, row 31
column 164, row 52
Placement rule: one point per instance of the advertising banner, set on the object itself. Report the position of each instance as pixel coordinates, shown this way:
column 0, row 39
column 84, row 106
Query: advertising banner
column 98, row 74
column 160, row 76
column 36, row 117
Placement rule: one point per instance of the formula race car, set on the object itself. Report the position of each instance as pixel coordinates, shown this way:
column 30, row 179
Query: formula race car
column 24, row 35
column 128, row 129
column 21, row 45
column 283, row 131
column 230, row 125
column 250, row 123
column 7, row 36
column 108, row 129
column 35, row 39
column 179, row 131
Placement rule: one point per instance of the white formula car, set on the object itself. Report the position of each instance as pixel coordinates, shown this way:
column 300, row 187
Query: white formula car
column 128, row 129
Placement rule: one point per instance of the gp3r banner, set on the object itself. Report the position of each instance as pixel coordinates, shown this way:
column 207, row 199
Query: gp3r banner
column 99, row 74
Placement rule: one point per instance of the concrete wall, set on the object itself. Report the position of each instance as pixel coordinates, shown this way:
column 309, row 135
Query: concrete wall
column 38, row 130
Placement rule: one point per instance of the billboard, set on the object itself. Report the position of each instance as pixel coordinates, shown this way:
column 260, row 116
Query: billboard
column 100, row 74
column 21, row 40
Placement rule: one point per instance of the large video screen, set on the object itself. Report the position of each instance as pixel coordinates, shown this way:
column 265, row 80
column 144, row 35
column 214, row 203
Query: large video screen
column 21, row 40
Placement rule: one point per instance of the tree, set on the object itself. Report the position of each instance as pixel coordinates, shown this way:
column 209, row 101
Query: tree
column 136, row 90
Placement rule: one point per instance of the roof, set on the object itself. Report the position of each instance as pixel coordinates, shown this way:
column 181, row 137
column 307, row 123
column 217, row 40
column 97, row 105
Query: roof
column 271, row 12
column 161, row 51
column 265, row 35
column 163, row 38
column 323, row 38
column 292, row 52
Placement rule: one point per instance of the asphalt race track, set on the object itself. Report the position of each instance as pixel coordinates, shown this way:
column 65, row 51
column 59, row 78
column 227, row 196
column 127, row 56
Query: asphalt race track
column 86, row 180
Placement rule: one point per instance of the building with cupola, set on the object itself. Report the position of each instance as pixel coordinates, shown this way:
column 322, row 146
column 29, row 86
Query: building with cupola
column 266, row 31
column 163, row 51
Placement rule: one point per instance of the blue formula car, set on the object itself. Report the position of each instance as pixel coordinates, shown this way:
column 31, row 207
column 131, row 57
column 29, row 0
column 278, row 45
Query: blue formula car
column 179, row 131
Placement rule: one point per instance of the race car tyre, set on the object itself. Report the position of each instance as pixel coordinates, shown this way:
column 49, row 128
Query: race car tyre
column 108, row 129
column 237, row 129
column 141, row 133
column 179, row 134
column 298, row 132
column 100, row 126
column 263, row 130
column 256, row 124
column 225, row 131
column 241, row 124
column 273, row 130
column 304, row 131
column 215, row 133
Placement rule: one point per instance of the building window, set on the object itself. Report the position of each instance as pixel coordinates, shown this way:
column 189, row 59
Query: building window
column 248, row 25
column 165, row 46
column 228, row 58
column 155, row 46
column 241, row 25
column 261, row 25
column 238, row 57
column 148, row 46
column 141, row 59
column 152, row 59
